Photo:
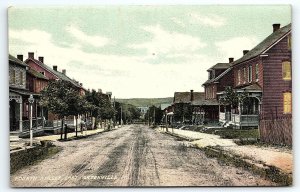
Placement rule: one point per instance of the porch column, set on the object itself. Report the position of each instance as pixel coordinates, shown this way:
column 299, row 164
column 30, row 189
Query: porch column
column 36, row 115
column 21, row 115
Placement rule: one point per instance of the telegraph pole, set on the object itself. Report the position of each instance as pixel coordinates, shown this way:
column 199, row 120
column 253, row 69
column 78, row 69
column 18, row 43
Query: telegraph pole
column 121, row 116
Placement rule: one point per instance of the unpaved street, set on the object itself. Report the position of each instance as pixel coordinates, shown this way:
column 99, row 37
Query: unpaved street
column 133, row 155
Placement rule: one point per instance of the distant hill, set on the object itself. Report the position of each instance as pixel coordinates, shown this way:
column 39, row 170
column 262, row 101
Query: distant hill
column 144, row 102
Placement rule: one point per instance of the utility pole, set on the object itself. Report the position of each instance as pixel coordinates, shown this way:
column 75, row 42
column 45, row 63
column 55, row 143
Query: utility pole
column 149, row 116
column 154, row 116
column 121, row 116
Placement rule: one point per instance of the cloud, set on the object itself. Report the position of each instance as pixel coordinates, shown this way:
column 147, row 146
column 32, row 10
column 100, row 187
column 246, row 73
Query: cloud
column 234, row 47
column 96, row 41
column 30, row 36
column 124, row 75
column 178, row 21
column 166, row 42
column 211, row 20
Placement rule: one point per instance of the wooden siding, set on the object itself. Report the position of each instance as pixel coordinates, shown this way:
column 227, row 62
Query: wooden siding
column 274, row 85
column 35, row 85
column 225, row 81
column 246, row 64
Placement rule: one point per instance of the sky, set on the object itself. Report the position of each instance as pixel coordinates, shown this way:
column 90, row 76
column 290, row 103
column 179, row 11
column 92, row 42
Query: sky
column 140, row 51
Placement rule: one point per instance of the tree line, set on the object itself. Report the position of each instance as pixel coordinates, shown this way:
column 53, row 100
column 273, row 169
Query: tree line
column 63, row 99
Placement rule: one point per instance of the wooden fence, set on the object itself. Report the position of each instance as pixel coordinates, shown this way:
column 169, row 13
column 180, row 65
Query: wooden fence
column 276, row 131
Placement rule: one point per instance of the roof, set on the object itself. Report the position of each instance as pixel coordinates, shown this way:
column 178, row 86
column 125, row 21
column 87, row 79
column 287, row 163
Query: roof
column 22, row 91
column 185, row 97
column 16, row 61
column 56, row 73
column 265, row 44
column 206, row 102
column 37, row 74
column 220, row 66
column 218, row 77
column 252, row 87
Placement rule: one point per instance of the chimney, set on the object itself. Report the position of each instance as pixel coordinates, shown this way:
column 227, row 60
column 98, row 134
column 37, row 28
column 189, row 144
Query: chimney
column 64, row 71
column 100, row 90
column 20, row 57
column 55, row 67
column 192, row 95
column 276, row 26
column 245, row 52
column 31, row 55
column 231, row 59
column 41, row 59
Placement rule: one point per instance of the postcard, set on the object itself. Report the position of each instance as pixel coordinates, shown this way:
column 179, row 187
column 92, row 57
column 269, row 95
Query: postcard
column 150, row 96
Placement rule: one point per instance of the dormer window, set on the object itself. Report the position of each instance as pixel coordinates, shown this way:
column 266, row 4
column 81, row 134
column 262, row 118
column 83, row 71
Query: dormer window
column 42, row 72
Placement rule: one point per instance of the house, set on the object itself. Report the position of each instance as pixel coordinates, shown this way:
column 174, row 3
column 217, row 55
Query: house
column 38, row 65
column 264, row 75
column 190, row 107
column 19, row 106
column 52, row 73
column 220, row 76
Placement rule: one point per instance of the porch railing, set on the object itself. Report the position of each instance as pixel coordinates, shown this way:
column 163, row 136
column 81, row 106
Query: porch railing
column 245, row 119
column 36, row 123
column 222, row 116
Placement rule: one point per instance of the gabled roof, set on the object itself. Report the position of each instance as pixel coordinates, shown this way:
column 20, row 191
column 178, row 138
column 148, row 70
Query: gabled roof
column 265, row 44
column 37, row 74
column 58, row 74
column 220, row 66
column 16, row 61
column 185, row 97
column 205, row 102
column 218, row 77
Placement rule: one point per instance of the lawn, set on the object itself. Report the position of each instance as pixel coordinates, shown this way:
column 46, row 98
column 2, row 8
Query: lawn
column 233, row 133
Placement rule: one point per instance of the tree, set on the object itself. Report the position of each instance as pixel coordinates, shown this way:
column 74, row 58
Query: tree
column 183, row 112
column 232, row 98
column 154, row 115
column 126, row 113
column 61, row 98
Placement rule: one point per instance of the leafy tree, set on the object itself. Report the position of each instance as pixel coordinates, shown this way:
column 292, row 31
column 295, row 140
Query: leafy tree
column 126, row 113
column 154, row 115
column 232, row 98
column 61, row 98
column 183, row 111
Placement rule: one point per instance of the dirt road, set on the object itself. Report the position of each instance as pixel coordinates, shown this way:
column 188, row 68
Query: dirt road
column 133, row 155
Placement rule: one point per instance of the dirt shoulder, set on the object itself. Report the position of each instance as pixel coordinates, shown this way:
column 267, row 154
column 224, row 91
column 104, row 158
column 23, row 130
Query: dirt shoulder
column 132, row 156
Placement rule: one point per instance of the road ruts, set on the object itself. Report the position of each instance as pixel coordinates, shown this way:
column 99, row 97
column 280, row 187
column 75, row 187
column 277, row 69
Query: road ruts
column 133, row 155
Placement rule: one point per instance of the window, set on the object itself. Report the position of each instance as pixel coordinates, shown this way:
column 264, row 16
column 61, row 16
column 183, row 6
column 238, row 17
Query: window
column 21, row 78
column 287, row 102
column 239, row 76
column 289, row 42
column 256, row 72
column 286, row 70
column 250, row 73
column 13, row 77
column 245, row 74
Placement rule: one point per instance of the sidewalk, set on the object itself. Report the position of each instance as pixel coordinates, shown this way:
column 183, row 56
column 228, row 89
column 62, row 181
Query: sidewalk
column 280, row 158
column 22, row 143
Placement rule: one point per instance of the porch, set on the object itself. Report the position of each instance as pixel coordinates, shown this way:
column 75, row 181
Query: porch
column 244, row 113
column 246, row 120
